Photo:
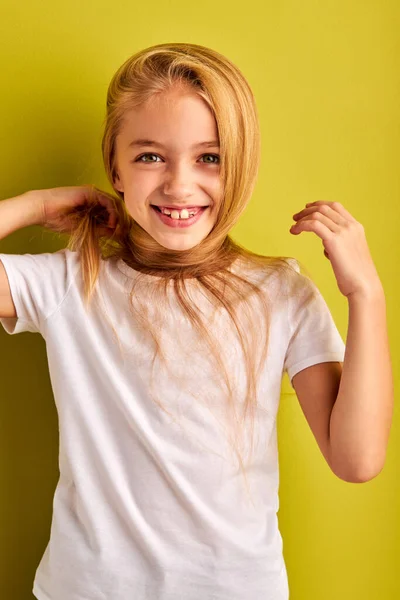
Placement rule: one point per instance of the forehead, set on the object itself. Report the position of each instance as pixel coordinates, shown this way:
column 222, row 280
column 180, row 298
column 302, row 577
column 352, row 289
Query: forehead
column 184, row 120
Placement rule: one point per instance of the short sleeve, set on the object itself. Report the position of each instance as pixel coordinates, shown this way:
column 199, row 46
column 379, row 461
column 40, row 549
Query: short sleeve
column 314, row 337
column 38, row 284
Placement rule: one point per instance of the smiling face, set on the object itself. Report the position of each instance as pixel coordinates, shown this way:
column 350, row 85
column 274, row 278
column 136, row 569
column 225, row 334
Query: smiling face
column 172, row 169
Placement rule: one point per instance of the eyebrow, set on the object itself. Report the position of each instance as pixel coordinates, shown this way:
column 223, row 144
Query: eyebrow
column 143, row 142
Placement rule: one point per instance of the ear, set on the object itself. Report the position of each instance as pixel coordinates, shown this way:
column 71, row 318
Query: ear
column 117, row 183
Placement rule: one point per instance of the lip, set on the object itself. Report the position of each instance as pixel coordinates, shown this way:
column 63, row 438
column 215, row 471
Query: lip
column 179, row 223
column 179, row 207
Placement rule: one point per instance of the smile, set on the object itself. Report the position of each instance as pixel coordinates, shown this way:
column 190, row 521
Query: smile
column 179, row 222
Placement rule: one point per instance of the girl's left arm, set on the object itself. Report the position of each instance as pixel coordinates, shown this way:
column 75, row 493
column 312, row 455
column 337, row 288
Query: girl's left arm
column 361, row 416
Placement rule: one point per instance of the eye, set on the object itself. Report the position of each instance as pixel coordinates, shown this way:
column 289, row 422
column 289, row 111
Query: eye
column 143, row 155
column 139, row 159
column 214, row 156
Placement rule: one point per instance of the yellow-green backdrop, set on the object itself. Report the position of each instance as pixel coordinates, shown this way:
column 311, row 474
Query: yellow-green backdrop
column 327, row 82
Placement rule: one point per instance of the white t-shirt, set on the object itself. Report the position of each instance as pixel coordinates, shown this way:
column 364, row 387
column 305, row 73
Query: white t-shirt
column 142, row 511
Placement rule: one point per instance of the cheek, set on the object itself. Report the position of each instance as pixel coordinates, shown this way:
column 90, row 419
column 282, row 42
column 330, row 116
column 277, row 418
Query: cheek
column 138, row 191
column 217, row 189
column 141, row 186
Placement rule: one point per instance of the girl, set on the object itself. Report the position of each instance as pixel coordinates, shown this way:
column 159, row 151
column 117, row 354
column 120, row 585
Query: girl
column 167, row 342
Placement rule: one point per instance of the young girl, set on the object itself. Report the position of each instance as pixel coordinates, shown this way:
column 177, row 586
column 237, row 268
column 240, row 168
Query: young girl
column 166, row 344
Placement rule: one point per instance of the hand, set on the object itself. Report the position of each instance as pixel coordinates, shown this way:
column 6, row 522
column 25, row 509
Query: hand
column 61, row 205
column 345, row 245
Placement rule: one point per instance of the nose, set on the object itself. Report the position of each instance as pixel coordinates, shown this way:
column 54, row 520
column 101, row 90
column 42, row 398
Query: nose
column 178, row 182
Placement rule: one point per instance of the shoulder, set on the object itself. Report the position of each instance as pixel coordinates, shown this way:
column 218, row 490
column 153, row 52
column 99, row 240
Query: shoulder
column 44, row 267
column 280, row 273
column 60, row 266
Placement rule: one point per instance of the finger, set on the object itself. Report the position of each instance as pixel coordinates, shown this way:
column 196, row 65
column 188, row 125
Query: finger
column 336, row 206
column 108, row 203
column 105, row 231
column 105, row 221
column 319, row 223
column 322, row 209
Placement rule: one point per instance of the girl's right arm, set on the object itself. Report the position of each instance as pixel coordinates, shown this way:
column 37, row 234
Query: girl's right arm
column 16, row 213
column 52, row 209
column 21, row 211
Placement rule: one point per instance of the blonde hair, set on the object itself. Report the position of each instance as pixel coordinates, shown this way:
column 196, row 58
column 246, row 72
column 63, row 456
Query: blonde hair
column 209, row 267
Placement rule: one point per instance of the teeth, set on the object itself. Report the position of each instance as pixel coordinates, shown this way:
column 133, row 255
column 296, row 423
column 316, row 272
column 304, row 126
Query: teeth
column 183, row 214
column 176, row 214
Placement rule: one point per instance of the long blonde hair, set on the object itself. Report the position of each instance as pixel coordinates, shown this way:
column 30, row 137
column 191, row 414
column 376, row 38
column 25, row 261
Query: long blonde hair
column 209, row 266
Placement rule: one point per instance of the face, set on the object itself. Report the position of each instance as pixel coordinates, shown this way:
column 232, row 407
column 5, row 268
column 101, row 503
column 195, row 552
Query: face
column 173, row 170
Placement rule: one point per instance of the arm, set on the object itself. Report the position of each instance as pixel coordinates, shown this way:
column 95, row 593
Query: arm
column 20, row 211
column 361, row 417
column 354, row 433
column 16, row 213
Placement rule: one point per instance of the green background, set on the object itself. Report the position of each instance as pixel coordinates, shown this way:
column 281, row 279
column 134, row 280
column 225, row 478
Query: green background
column 327, row 83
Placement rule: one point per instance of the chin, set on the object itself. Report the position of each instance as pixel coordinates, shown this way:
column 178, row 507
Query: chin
column 178, row 244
